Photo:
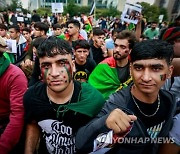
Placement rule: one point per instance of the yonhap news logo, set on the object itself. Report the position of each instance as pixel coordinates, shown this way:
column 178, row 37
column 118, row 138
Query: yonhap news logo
column 143, row 140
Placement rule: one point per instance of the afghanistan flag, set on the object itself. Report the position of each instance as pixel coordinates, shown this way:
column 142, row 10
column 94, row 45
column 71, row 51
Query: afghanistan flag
column 105, row 78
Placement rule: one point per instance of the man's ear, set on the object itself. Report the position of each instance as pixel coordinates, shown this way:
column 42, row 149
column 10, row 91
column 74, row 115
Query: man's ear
column 170, row 71
column 42, row 32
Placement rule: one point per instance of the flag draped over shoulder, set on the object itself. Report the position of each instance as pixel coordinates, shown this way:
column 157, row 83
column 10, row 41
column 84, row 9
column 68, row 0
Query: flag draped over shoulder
column 105, row 78
column 90, row 101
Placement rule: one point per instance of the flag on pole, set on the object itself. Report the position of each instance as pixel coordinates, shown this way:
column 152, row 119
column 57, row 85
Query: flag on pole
column 92, row 8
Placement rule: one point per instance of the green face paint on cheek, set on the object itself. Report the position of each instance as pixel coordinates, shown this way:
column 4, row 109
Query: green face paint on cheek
column 163, row 77
column 44, row 72
column 68, row 69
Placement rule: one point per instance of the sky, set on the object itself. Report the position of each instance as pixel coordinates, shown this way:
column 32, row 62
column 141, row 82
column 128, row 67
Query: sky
column 25, row 3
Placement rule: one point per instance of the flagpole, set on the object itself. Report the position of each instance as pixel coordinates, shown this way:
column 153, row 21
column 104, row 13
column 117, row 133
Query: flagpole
column 95, row 10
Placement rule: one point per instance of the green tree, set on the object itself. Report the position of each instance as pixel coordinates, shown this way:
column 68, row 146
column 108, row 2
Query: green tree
column 152, row 12
column 107, row 12
column 42, row 11
column 163, row 11
column 71, row 8
column 14, row 4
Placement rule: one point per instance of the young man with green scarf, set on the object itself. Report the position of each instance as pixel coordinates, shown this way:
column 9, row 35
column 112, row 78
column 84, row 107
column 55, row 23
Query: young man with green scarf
column 13, row 85
column 57, row 107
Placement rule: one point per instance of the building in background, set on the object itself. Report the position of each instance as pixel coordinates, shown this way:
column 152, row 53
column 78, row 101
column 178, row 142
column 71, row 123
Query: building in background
column 119, row 4
column 3, row 3
column 172, row 6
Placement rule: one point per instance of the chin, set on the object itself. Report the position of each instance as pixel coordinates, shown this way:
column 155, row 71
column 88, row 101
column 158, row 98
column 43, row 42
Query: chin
column 57, row 88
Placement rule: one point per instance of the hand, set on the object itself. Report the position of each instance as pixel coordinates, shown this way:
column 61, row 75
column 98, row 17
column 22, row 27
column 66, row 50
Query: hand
column 28, row 63
column 104, row 50
column 119, row 121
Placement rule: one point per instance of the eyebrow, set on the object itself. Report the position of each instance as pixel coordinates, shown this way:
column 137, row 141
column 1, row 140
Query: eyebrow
column 151, row 65
column 59, row 60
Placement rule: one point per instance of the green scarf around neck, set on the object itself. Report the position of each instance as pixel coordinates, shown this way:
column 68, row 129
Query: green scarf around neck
column 4, row 63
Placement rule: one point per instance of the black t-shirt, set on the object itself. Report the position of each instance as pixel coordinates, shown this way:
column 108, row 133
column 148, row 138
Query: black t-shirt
column 57, row 133
column 97, row 54
column 154, row 123
column 83, row 71
column 123, row 73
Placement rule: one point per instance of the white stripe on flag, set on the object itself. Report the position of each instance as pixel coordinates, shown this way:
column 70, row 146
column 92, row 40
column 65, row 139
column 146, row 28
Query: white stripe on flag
column 92, row 9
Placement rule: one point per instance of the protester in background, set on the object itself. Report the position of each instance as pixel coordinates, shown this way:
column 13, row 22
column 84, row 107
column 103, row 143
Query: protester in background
column 84, row 65
column 113, row 72
column 13, row 85
column 152, row 32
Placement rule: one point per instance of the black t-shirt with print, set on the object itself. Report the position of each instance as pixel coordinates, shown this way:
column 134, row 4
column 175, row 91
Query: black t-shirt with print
column 83, row 71
column 154, row 123
column 57, row 134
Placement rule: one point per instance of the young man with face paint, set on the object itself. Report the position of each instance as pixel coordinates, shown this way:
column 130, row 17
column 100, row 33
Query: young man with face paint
column 113, row 72
column 56, row 108
column 139, row 116
column 84, row 65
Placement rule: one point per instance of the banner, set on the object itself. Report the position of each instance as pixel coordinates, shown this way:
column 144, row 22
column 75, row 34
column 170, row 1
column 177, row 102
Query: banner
column 131, row 13
column 57, row 7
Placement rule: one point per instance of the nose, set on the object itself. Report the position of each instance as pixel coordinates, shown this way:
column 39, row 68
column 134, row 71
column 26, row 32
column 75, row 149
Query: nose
column 146, row 77
column 82, row 54
column 54, row 72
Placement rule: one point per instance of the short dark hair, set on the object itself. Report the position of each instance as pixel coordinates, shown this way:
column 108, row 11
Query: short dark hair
column 81, row 44
column 150, row 49
column 97, row 31
column 116, row 30
column 41, row 26
column 55, row 26
column 37, row 41
column 75, row 23
column 27, row 29
column 129, row 35
column 53, row 46
column 2, row 26
column 16, row 27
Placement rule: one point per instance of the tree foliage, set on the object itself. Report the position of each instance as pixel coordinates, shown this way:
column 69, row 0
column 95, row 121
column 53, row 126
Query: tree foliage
column 152, row 12
column 107, row 12
column 42, row 11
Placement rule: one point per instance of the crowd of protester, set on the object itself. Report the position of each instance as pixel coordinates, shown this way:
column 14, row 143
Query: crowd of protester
column 74, row 79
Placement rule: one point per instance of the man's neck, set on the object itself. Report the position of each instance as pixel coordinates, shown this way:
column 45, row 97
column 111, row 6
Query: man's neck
column 122, row 62
column 61, row 97
column 17, row 39
column 144, row 97
column 74, row 37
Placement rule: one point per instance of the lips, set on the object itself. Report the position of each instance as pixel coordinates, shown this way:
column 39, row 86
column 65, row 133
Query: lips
column 58, row 82
column 146, row 85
